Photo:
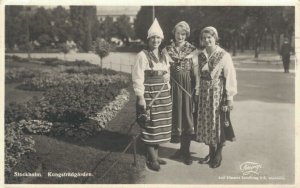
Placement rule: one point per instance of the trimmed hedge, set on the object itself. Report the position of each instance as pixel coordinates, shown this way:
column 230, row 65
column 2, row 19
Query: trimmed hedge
column 48, row 81
column 13, row 75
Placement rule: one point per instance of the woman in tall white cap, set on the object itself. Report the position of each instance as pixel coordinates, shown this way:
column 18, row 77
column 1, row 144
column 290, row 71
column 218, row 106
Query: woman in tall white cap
column 184, row 83
column 150, row 78
column 218, row 85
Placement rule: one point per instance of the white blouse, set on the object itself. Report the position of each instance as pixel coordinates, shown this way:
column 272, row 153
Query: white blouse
column 140, row 65
column 229, row 72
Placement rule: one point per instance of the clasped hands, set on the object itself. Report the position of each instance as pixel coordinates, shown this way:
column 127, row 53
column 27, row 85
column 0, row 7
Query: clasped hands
column 228, row 106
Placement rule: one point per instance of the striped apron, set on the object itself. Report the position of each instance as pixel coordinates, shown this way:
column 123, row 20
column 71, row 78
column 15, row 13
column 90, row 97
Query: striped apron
column 158, row 130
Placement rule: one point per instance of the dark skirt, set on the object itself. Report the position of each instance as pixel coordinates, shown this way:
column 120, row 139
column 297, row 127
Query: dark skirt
column 182, row 114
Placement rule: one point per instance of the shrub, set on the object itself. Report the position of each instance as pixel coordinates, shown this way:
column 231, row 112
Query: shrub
column 75, row 103
column 16, row 145
column 13, row 75
column 35, row 126
column 47, row 81
column 88, row 71
column 56, row 62
column 17, row 112
column 102, row 49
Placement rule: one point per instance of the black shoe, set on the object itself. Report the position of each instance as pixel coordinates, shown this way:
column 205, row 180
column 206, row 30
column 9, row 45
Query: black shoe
column 205, row 160
column 161, row 161
column 153, row 165
column 187, row 160
column 209, row 157
column 216, row 161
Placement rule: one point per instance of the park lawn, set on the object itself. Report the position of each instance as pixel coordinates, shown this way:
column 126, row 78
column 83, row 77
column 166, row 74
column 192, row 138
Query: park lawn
column 13, row 94
column 94, row 155
column 57, row 156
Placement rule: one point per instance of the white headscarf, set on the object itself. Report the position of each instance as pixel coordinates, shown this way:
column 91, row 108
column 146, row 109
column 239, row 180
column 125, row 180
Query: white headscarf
column 211, row 28
column 155, row 30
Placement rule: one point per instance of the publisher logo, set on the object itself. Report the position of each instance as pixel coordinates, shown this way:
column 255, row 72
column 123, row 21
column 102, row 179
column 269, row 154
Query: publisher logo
column 250, row 168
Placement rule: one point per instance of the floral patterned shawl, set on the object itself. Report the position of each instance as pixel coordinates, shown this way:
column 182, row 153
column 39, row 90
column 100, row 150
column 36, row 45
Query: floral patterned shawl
column 180, row 55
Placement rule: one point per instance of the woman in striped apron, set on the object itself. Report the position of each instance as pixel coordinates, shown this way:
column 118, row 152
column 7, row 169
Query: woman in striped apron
column 150, row 76
column 218, row 85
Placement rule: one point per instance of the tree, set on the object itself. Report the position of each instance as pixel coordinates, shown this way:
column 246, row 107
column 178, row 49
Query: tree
column 124, row 29
column 107, row 29
column 65, row 49
column 83, row 19
column 44, row 40
column 14, row 25
column 40, row 24
column 102, row 49
column 143, row 22
column 61, row 27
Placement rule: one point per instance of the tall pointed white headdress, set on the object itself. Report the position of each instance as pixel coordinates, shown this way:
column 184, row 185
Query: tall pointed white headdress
column 155, row 30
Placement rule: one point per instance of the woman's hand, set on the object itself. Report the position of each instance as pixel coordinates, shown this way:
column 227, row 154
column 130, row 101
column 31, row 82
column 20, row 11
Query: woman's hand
column 196, row 99
column 141, row 102
column 230, row 104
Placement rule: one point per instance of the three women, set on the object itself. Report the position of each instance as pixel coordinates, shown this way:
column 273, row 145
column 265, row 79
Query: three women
column 208, row 75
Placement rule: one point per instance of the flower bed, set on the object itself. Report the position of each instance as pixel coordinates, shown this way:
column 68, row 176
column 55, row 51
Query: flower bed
column 75, row 104
column 47, row 81
column 16, row 145
column 19, row 74
column 110, row 111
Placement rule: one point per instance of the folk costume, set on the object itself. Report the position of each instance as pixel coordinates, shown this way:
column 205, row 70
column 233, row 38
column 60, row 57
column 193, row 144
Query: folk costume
column 149, row 77
column 184, row 85
column 183, row 68
column 217, row 84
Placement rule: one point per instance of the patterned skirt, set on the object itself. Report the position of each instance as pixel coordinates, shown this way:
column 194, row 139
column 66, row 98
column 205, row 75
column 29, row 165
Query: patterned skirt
column 213, row 125
column 158, row 130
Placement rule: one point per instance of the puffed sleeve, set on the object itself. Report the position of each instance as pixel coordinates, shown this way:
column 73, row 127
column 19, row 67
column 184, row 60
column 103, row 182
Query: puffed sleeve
column 166, row 54
column 196, row 72
column 168, row 75
column 138, row 74
column 230, row 76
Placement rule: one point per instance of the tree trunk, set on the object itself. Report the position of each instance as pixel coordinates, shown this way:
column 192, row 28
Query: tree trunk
column 256, row 52
column 278, row 42
column 265, row 41
column 256, row 47
column 242, row 44
column 272, row 42
column 234, row 46
column 101, row 65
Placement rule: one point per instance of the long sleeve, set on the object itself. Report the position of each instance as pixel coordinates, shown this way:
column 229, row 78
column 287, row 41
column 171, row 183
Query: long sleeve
column 230, row 75
column 196, row 73
column 138, row 74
